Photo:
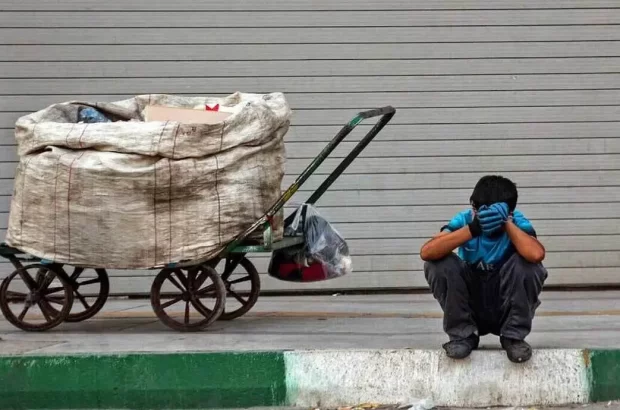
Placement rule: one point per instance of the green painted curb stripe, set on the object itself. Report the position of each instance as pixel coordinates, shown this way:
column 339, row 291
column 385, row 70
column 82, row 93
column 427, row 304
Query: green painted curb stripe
column 143, row 381
column 603, row 374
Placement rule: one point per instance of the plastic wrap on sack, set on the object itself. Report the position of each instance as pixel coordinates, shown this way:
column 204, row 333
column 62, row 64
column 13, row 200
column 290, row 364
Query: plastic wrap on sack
column 324, row 255
column 90, row 115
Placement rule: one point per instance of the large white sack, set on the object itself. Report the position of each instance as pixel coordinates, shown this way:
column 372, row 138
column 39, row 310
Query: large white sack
column 133, row 194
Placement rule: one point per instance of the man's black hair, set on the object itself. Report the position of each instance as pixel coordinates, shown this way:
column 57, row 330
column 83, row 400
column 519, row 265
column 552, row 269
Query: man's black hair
column 494, row 188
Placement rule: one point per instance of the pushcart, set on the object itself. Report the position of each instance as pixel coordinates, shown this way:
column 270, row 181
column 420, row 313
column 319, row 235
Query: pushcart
column 185, row 296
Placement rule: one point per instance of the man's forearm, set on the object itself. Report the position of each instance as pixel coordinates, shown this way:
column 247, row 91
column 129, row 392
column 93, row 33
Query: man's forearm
column 443, row 244
column 526, row 245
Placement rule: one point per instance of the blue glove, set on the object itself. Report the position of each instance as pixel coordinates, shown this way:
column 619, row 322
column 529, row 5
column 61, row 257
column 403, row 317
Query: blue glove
column 493, row 217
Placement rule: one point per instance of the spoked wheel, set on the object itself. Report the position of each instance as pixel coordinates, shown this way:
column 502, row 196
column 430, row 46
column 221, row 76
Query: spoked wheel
column 27, row 293
column 91, row 294
column 188, row 300
column 241, row 290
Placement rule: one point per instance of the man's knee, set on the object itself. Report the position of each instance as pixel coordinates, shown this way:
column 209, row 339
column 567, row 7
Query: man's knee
column 446, row 280
column 448, row 267
column 520, row 268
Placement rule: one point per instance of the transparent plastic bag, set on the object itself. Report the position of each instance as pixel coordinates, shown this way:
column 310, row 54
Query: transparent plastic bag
column 418, row 404
column 324, row 244
column 325, row 254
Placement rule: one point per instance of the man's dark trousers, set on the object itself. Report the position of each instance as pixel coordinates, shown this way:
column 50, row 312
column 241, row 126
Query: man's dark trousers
column 499, row 302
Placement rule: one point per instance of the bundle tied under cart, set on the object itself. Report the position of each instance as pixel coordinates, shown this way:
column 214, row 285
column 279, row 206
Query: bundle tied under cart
column 191, row 200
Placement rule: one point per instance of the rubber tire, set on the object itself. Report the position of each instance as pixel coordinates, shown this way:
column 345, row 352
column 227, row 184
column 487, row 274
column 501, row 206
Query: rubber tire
column 210, row 315
column 11, row 318
column 104, row 292
column 254, row 292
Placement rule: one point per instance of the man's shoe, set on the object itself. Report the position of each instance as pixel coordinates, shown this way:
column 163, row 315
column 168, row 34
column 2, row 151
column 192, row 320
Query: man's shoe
column 518, row 351
column 460, row 349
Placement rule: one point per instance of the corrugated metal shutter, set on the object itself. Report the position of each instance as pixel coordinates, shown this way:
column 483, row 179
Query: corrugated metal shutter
column 526, row 88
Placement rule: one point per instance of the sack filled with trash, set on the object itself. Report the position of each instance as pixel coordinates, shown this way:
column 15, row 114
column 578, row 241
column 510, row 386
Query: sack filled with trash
column 118, row 185
column 324, row 254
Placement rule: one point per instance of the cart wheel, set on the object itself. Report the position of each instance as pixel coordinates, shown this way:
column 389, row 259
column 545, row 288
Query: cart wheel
column 197, row 290
column 24, row 299
column 244, row 289
column 91, row 293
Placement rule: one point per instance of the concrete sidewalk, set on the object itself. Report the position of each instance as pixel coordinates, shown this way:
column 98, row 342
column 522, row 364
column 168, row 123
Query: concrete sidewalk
column 308, row 351
column 564, row 320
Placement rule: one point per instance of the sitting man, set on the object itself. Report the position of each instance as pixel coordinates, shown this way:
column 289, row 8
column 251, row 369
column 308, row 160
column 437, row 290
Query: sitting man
column 493, row 285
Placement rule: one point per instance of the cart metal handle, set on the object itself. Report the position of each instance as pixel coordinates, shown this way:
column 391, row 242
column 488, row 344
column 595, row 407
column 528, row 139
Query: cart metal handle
column 386, row 114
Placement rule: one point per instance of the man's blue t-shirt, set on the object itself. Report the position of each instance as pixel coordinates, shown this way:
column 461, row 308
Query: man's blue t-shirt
column 487, row 253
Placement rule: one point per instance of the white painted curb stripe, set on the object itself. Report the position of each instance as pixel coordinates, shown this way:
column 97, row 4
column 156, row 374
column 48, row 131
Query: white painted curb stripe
column 338, row 378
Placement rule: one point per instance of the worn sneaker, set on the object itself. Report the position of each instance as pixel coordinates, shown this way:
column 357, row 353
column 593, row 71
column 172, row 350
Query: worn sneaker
column 460, row 349
column 518, row 351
